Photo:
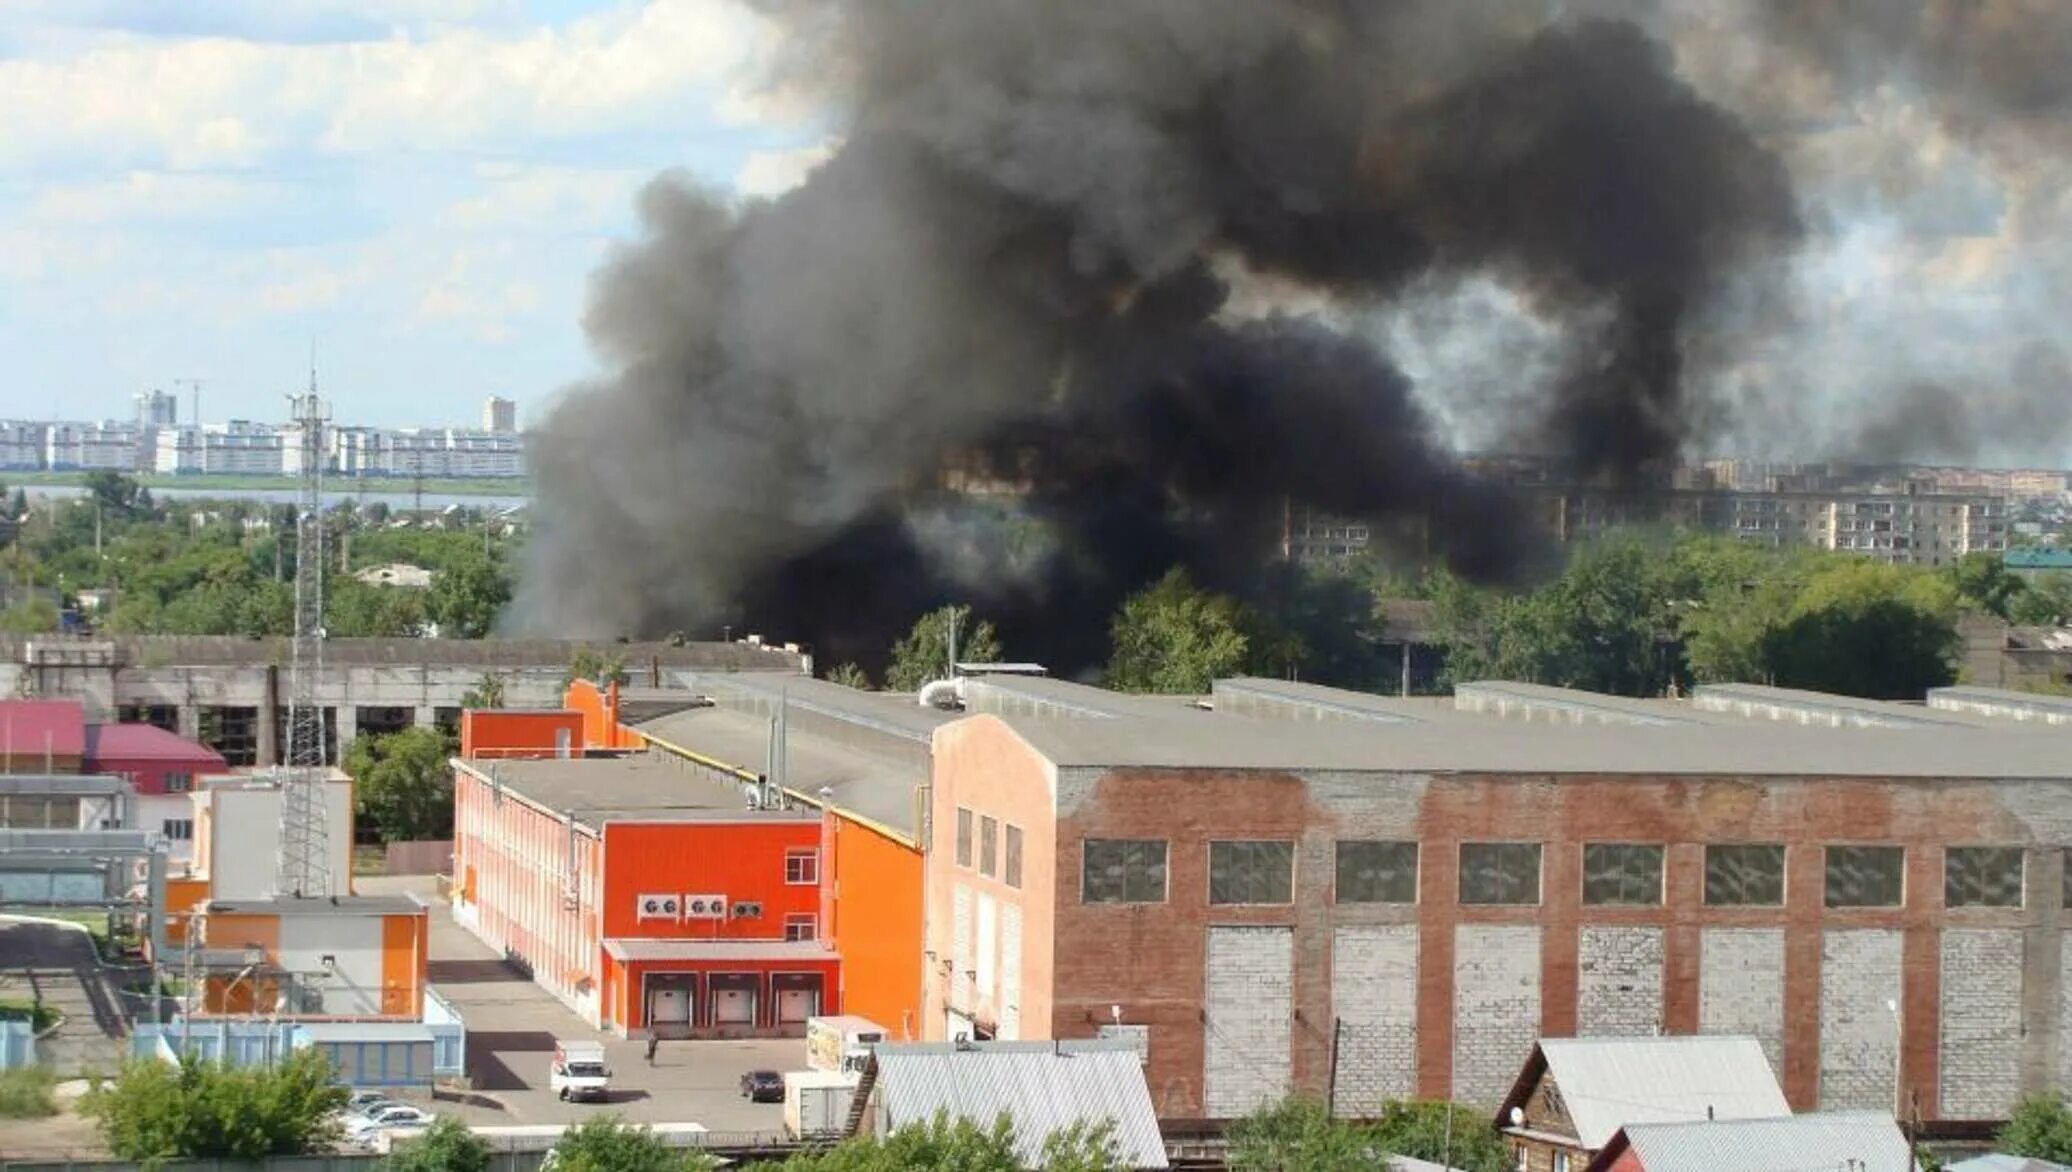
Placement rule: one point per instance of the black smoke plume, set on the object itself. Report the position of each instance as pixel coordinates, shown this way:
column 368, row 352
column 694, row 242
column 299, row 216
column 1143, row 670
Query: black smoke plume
column 1040, row 236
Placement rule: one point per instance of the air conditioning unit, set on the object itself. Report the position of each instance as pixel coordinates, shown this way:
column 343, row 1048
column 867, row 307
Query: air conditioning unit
column 748, row 911
column 704, row 907
column 658, row 906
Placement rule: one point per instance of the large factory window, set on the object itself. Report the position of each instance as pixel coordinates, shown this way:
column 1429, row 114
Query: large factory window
column 1251, row 872
column 1011, row 864
column 963, row 837
column 1377, row 872
column 988, row 846
column 1744, row 874
column 1500, row 872
column 1622, row 873
column 1982, row 876
column 1120, row 870
column 1866, row 876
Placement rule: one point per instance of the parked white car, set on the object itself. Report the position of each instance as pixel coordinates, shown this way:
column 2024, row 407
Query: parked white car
column 393, row 1117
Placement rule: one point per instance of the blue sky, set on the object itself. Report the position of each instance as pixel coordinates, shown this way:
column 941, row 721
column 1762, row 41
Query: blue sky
column 201, row 188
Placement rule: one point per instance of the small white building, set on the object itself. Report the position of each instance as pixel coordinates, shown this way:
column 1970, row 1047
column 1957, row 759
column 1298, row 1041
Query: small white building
column 401, row 574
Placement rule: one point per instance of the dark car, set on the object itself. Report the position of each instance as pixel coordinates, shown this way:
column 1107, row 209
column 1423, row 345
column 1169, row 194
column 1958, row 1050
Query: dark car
column 762, row 1086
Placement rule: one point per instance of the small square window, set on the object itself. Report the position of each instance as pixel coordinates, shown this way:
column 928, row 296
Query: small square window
column 1117, row 870
column 178, row 783
column 1866, row 876
column 1618, row 873
column 963, row 837
column 1251, row 872
column 802, row 867
column 1377, row 872
column 1500, row 873
column 799, row 926
column 988, row 847
column 1011, row 869
column 1982, row 876
column 1744, row 874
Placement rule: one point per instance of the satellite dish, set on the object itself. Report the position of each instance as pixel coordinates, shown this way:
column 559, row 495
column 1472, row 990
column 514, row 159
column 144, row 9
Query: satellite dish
column 1518, row 1117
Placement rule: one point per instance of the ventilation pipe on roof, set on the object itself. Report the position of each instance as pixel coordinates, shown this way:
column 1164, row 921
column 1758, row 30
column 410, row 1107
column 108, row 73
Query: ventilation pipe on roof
column 945, row 694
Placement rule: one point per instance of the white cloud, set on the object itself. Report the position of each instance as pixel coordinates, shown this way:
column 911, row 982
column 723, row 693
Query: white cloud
column 215, row 101
column 772, row 173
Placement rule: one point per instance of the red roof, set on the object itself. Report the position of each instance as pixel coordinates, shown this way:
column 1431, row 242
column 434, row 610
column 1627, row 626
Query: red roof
column 138, row 743
column 30, row 727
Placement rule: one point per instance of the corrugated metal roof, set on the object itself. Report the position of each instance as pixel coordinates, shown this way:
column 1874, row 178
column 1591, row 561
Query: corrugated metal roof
column 1795, row 1143
column 2002, row 1162
column 146, row 742
column 1044, row 1086
column 29, row 727
column 1609, row 1083
column 2003, row 704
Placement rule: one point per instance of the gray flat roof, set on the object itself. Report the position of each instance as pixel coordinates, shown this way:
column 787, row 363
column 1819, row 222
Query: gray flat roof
column 892, row 713
column 1494, row 745
column 876, row 788
column 1289, row 699
column 628, row 948
column 62, row 785
column 1010, row 693
column 598, row 789
column 185, row 650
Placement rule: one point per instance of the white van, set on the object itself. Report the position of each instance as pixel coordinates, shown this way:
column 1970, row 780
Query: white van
column 579, row 1071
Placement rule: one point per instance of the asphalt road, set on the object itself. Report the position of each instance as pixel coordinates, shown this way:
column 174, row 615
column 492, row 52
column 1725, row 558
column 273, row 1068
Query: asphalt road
column 513, row 1024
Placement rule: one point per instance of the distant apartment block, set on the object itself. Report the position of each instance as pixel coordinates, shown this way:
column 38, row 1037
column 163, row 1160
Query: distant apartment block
column 91, row 447
column 427, row 451
column 157, row 409
column 236, row 448
column 499, row 415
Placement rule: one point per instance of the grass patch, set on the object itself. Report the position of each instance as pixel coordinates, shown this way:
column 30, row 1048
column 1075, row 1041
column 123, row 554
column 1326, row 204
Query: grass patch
column 39, row 1016
column 28, row 1093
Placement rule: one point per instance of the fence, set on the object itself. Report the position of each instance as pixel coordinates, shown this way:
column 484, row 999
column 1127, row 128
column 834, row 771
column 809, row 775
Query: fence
column 418, row 858
column 240, row 1043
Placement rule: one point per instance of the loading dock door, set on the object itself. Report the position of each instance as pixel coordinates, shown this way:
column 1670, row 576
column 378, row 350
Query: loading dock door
column 670, row 998
column 733, row 999
column 798, row 997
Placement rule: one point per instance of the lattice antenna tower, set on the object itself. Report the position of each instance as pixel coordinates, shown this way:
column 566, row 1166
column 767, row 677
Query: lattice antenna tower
column 304, row 868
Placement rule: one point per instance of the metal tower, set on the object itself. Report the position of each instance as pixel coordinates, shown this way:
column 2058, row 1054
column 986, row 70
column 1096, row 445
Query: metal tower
column 304, row 869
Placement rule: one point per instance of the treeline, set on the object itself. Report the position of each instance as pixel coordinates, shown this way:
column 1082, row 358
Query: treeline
column 1638, row 614
column 228, row 567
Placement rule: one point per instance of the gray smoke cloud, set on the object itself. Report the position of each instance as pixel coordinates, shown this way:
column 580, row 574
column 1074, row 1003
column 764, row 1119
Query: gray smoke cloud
column 1046, row 237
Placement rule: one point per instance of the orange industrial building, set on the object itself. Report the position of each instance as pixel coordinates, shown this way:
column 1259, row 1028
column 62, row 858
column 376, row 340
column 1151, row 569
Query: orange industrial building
column 568, row 822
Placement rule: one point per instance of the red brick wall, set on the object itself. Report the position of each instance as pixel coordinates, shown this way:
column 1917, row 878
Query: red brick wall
column 1149, row 958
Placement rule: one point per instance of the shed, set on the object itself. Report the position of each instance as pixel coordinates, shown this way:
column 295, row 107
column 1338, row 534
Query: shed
column 372, row 1054
column 1046, row 1087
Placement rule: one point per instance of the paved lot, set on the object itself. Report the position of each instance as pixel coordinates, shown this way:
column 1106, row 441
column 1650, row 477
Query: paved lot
column 513, row 1024
column 57, row 964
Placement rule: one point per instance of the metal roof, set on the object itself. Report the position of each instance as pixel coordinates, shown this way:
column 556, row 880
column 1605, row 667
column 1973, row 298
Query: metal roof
column 1794, row 705
column 543, row 654
column 1787, row 1143
column 878, row 788
column 627, row 948
column 1044, row 1086
column 1465, row 743
column 63, row 784
column 1609, row 1083
column 1290, row 700
column 1566, row 705
column 598, row 789
column 30, row 727
column 339, row 905
column 2002, row 703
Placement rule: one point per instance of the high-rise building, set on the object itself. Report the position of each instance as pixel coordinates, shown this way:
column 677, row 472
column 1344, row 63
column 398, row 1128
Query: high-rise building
column 499, row 415
column 157, row 408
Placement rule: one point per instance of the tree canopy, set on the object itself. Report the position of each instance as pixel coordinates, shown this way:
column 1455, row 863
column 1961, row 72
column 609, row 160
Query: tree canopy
column 156, row 1111
column 2040, row 1128
column 1175, row 636
column 607, row 1143
column 446, row 1146
column 960, row 1145
column 402, row 784
column 1299, row 1133
column 924, row 653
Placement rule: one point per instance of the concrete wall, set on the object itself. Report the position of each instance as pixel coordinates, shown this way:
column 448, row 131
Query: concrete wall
column 1374, row 990
column 353, row 985
column 1250, row 1004
column 1859, row 1034
column 1981, row 1022
column 244, row 824
column 1496, row 997
column 1619, row 981
column 1741, row 986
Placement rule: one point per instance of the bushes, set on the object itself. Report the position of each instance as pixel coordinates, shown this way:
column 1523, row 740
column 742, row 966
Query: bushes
column 447, row 1146
column 27, row 1093
column 158, row 1111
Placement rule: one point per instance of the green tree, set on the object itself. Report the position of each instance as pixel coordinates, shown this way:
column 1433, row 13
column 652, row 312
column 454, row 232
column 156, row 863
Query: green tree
column 356, row 610
column 2046, row 603
column 1298, row 1133
column 403, row 784
column 466, row 598
column 597, row 667
column 606, row 1143
column 446, row 1146
column 156, row 1111
column 2040, row 1128
column 944, row 1144
column 1442, row 1133
column 30, row 616
column 1983, row 581
column 850, row 676
column 1175, row 636
column 924, row 654
column 1867, row 629
column 119, row 496
column 487, row 692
